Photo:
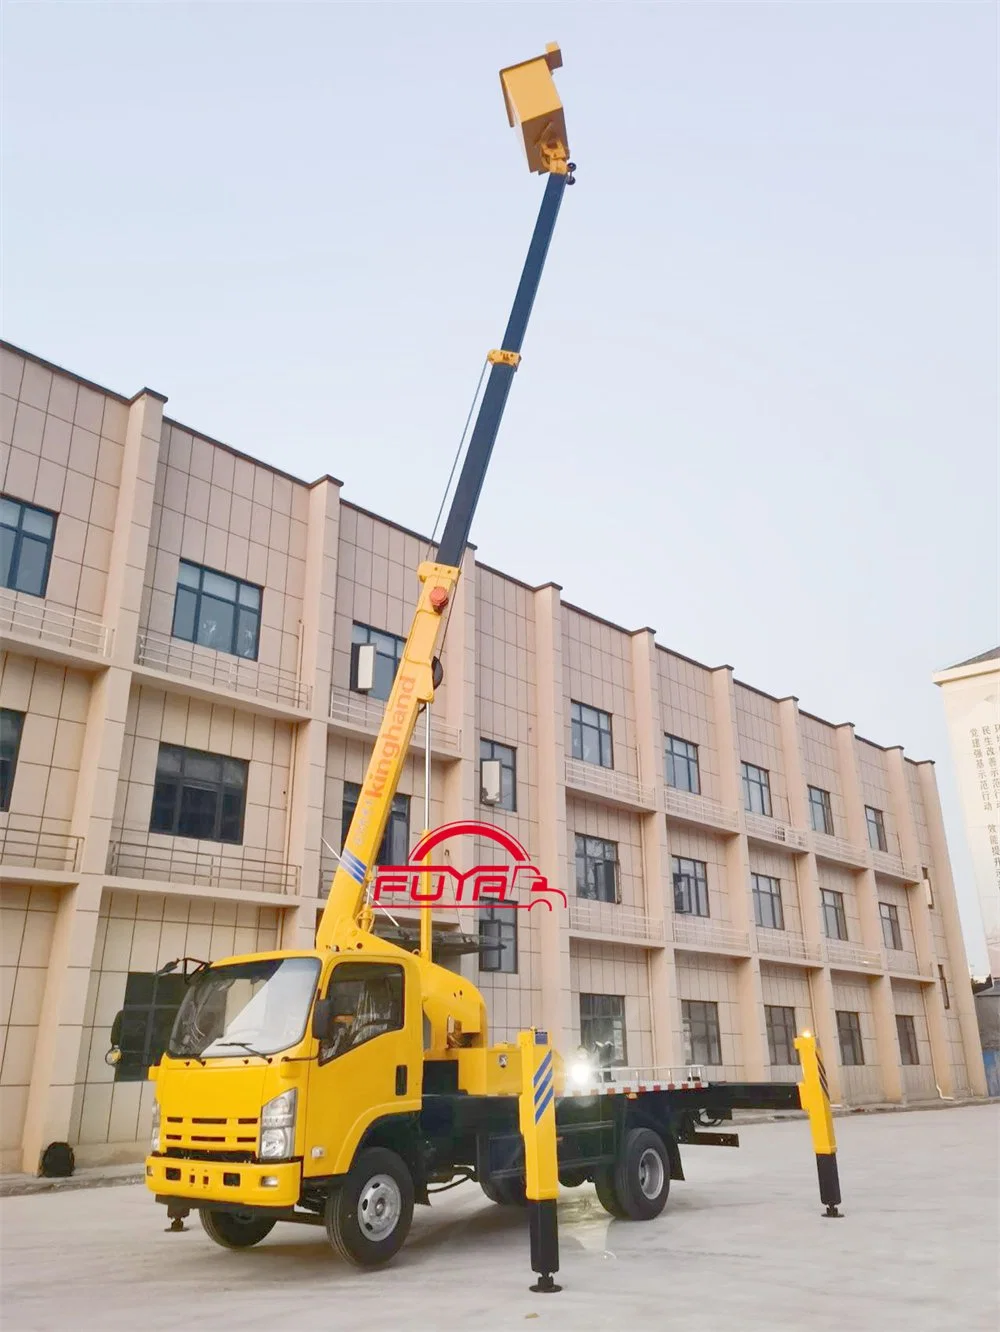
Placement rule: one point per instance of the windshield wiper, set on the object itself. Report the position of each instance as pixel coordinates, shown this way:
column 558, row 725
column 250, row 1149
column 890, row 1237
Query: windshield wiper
column 242, row 1045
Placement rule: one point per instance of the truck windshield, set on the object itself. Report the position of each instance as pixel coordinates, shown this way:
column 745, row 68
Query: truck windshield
column 256, row 1007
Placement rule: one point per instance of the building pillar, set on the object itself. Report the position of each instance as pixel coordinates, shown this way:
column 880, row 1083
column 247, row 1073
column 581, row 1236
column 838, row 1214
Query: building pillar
column 557, row 1014
column 57, row 1047
column 947, row 904
column 656, row 876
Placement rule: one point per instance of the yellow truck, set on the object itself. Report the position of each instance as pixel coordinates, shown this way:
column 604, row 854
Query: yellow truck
column 341, row 1085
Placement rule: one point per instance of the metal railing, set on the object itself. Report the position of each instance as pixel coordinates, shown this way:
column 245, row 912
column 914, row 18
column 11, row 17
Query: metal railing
column 135, row 855
column 779, row 943
column 699, row 809
column 607, row 782
column 904, row 962
column 366, row 713
column 621, row 1077
column 772, row 830
column 838, row 849
column 201, row 665
column 36, row 844
column 885, row 862
column 838, row 951
column 45, row 622
column 696, row 932
column 614, row 920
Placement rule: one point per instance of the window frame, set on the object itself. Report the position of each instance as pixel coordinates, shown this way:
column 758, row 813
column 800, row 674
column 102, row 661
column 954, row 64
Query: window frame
column 327, row 1052
column 756, row 778
column 943, row 982
column 877, row 824
column 840, row 914
column 889, row 916
column 708, row 1018
column 824, row 807
column 699, row 883
column 399, row 645
column 849, row 1027
column 174, row 985
column 770, row 895
column 781, row 1035
column 399, row 815
column 597, row 1000
column 505, row 933
column 908, row 1044
column 185, row 754
column 579, row 723
column 592, row 859
column 239, row 607
column 19, row 537
column 672, row 758
column 493, row 746
column 8, row 761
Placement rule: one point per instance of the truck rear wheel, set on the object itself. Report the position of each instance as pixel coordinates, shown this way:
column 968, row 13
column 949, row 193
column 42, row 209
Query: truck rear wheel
column 368, row 1216
column 235, row 1230
column 505, row 1192
column 636, row 1187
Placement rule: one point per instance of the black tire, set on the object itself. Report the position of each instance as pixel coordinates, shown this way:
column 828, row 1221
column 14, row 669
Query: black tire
column 368, row 1217
column 234, row 1230
column 637, row 1186
column 511, row 1192
column 572, row 1179
column 489, row 1187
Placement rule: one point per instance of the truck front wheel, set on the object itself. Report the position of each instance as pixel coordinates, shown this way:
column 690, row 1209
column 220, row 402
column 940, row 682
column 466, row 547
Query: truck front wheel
column 235, row 1230
column 368, row 1216
column 635, row 1188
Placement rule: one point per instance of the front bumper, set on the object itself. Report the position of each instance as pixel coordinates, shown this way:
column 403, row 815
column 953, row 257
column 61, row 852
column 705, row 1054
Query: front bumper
column 201, row 1182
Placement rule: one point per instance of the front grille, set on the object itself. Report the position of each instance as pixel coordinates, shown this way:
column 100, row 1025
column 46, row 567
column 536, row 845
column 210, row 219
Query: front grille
column 201, row 1138
column 192, row 1154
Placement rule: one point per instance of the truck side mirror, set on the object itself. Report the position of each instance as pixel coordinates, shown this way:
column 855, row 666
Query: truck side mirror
column 322, row 1019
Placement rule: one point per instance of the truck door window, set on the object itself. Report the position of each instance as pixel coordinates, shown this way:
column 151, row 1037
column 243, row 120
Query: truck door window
column 367, row 1001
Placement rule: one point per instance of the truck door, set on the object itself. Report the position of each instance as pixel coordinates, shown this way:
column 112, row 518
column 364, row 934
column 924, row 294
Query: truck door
column 369, row 1063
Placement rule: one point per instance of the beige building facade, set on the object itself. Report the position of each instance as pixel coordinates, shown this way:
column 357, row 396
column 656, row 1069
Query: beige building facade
column 180, row 739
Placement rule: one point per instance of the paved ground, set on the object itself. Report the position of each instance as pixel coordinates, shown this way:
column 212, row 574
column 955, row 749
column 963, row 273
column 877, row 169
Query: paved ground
column 740, row 1246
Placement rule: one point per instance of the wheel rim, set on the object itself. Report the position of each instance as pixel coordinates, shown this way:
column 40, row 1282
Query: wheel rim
column 650, row 1173
column 379, row 1207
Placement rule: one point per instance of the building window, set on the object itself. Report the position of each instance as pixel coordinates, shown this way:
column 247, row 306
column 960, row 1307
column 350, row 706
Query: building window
column 690, row 886
column 199, row 795
column 507, row 758
column 602, row 1027
column 591, row 734
column 498, row 940
column 702, row 1044
column 876, row 828
column 26, row 535
column 928, row 886
column 852, row 1050
column 834, row 919
column 369, row 995
column 767, row 910
column 892, row 936
column 756, row 790
column 147, row 1019
column 780, row 1034
column 820, row 810
column 682, row 765
column 943, row 980
column 11, row 725
column 216, row 611
column 596, row 869
column 395, row 848
column 906, row 1031
column 388, row 655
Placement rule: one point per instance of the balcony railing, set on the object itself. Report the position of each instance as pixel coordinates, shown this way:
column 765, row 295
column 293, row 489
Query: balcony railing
column 365, row 714
column 134, row 855
column 781, row 944
column 219, row 670
column 45, row 623
column 884, row 862
column 899, row 961
column 840, row 953
column 36, row 844
column 611, row 920
column 772, row 830
column 839, row 850
column 709, row 935
column 699, row 809
column 618, row 787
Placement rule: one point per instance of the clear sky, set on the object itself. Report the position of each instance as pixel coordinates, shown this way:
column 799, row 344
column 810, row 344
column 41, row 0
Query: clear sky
column 758, row 405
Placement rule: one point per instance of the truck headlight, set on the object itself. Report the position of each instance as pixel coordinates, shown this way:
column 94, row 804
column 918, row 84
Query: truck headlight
column 277, row 1127
column 154, row 1141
